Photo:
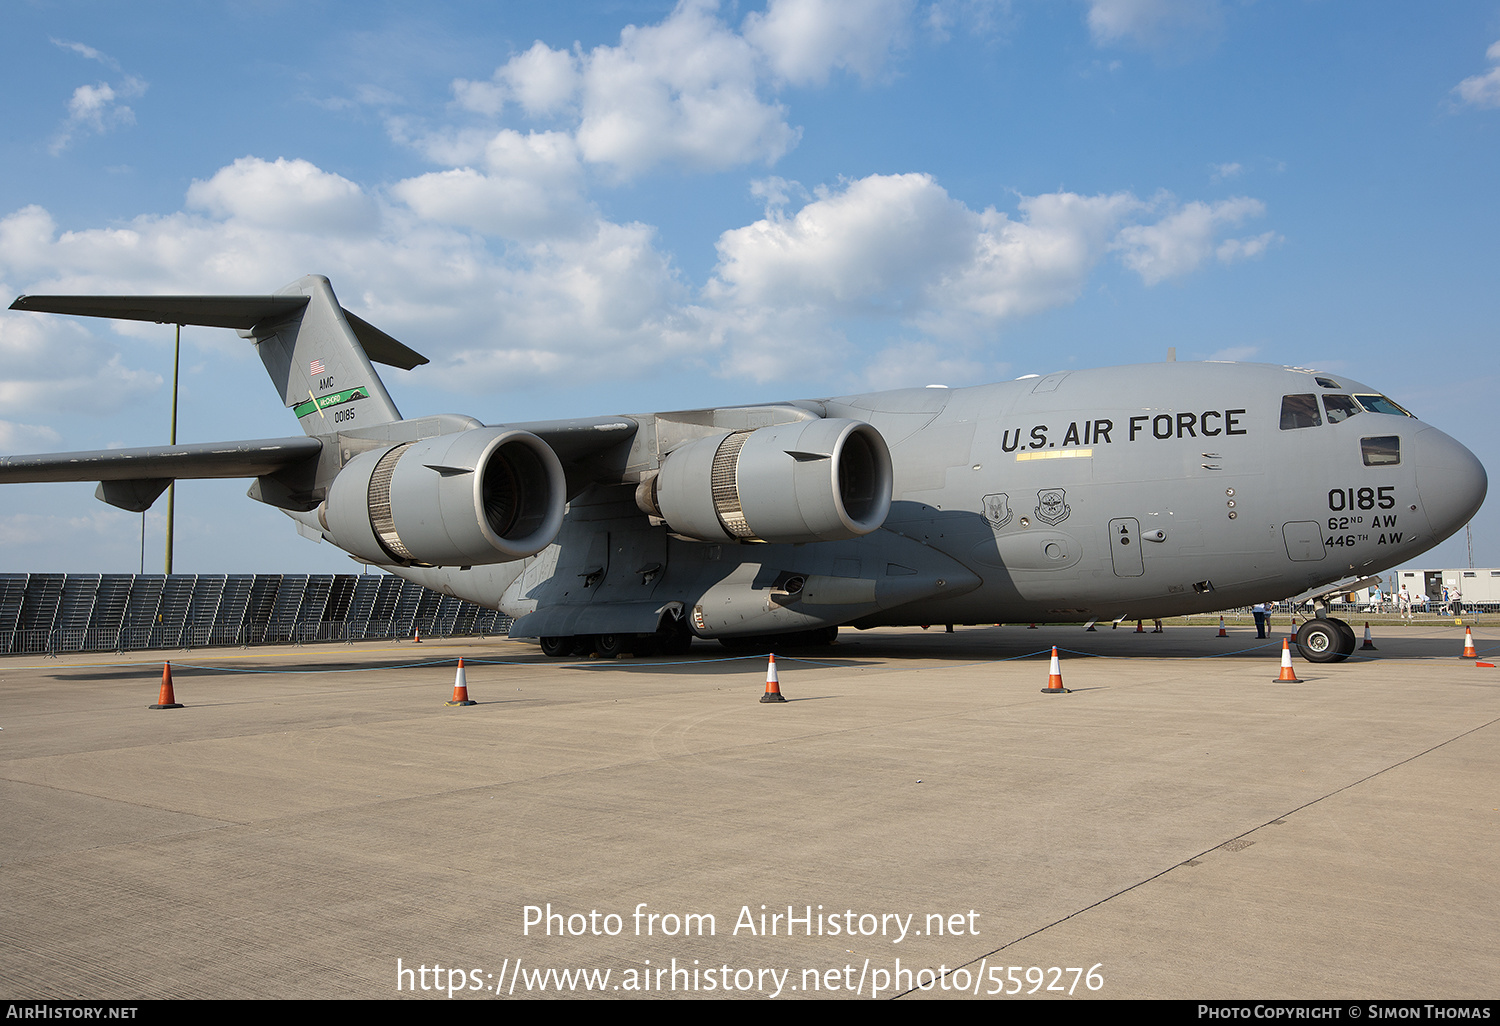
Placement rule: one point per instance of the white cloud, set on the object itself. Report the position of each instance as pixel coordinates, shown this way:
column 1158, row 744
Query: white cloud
column 1155, row 24
column 685, row 91
column 1483, row 90
column 984, row 18
column 543, row 81
column 1184, row 239
column 51, row 364
column 901, row 245
column 564, row 305
column 1235, row 354
column 859, row 249
column 1223, row 172
column 287, row 194
column 804, row 40
column 789, row 289
column 916, row 364
column 25, row 437
column 532, row 187
column 99, row 107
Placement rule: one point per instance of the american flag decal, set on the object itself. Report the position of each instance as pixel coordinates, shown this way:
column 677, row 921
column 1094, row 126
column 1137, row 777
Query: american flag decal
column 316, row 367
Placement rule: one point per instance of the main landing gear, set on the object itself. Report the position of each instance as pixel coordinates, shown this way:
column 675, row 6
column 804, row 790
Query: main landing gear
column 674, row 638
column 1325, row 640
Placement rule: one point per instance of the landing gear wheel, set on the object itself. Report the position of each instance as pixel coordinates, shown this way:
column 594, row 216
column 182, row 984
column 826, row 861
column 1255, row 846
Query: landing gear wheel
column 1347, row 645
column 557, row 648
column 608, row 646
column 1320, row 641
column 674, row 637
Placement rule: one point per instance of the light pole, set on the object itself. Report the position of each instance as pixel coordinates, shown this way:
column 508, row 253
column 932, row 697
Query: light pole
column 172, row 488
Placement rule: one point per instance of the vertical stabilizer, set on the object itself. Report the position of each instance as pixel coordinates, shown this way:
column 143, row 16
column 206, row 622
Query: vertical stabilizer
column 315, row 358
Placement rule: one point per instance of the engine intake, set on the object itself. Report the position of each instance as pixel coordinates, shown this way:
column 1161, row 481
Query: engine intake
column 815, row 480
column 489, row 495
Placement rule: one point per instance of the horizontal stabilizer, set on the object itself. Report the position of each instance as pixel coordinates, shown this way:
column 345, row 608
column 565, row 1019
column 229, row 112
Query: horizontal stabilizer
column 240, row 312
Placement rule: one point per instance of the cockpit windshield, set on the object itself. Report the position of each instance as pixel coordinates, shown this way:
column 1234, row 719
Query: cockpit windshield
column 1380, row 404
column 1339, row 407
column 1299, row 411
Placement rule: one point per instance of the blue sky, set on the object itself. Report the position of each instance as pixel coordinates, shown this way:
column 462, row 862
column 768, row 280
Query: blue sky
column 609, row 207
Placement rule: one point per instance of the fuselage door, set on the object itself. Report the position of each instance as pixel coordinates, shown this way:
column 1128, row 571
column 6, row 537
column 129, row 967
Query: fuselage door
column 1125, row 547
column 1304, row 540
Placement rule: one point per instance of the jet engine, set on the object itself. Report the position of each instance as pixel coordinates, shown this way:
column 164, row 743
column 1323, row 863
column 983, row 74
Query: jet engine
column 813, row 480
column 489, row 495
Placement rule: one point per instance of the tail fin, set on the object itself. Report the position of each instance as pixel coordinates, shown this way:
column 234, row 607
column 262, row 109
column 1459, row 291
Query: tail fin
column 316, row 359
column 317, row 353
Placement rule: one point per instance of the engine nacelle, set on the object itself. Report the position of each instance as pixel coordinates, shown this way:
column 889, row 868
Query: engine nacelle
column 814, row 480
column 489, row 495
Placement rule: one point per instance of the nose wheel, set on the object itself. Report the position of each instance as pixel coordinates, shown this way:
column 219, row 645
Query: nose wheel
column 1325, row 640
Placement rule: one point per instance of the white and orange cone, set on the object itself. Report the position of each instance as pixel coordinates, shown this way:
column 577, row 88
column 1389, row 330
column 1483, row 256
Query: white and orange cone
column 416, row 636
column 1138, row 628
column 165, row 699
column 773, row 686
column 461, row 687
column 1469, row 652
column 1222, row 632
column 1054, row 677
column 1369, row 645
column 1287, row 676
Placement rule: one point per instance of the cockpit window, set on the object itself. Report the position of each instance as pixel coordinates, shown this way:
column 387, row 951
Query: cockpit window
column 1380, row 404
column 1381, row 451
column 1339, row 407
column 1299, row 411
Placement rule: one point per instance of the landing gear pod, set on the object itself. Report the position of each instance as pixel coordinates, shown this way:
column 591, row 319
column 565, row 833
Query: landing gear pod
column 489, row 495
column 814, row 480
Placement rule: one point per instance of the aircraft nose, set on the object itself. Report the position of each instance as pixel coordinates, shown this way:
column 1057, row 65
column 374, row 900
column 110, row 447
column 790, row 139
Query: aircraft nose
column 1450, row 481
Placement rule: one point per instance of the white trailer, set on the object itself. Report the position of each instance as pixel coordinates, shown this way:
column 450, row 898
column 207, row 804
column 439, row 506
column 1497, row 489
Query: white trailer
column 1469, row 585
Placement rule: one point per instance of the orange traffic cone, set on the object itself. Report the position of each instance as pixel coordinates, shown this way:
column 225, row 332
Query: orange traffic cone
column 1054, row 678
column 773, row 687
column 1469, row 652
column 1287, row 675
column 417, row 636
column 1369, row 645
column 1138, row 628
column 1222, row 633
column 166, row 700
column 461, row 687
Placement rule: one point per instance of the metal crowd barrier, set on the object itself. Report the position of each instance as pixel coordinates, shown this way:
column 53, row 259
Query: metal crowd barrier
column 56, row 613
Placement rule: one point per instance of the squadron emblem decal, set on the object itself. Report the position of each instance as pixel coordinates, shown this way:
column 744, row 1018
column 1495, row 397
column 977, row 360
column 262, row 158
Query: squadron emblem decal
column 997, row 510
column 1051, row 506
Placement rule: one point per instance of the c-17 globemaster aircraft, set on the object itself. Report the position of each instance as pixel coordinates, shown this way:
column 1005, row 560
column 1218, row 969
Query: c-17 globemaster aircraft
column 1079, row 496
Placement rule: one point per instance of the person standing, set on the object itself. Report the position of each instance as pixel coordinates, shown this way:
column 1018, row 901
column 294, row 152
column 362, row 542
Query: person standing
column 1262, row 611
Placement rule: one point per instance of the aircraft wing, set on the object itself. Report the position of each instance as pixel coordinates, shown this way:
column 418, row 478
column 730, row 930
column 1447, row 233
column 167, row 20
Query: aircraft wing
column 240, row 312
column 133, row 478
column 207, row 459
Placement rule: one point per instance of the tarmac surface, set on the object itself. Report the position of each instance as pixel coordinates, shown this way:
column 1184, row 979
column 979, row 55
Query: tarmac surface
column 318, row 823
